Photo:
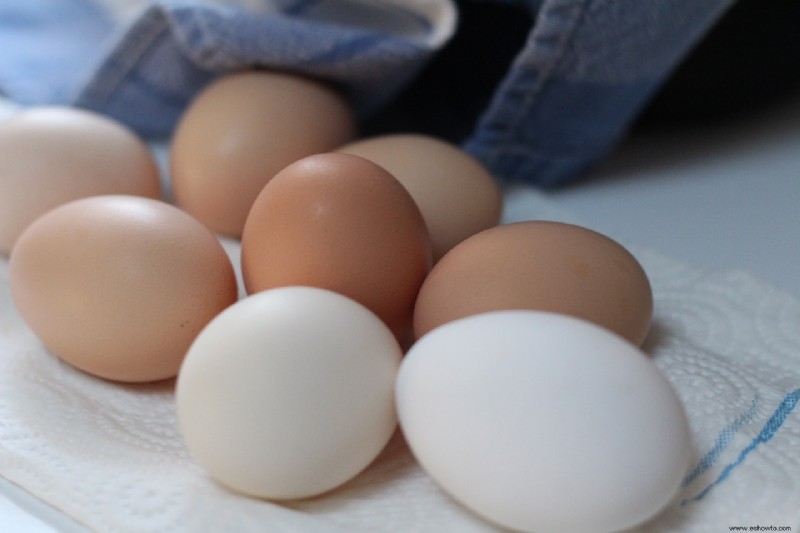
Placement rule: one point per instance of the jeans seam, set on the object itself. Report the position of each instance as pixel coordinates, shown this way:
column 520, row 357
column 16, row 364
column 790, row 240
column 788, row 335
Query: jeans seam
column 545, row 75
column 532, row 91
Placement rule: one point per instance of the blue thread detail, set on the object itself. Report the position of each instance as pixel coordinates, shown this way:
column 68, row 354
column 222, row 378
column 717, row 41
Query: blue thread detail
column 723, row 440
column 772, row 426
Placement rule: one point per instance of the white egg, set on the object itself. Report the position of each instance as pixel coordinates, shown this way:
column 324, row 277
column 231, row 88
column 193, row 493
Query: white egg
column 289, row 392
column 543, row 422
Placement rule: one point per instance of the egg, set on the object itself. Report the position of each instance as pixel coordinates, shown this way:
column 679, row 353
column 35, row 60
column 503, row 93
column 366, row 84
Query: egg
column 539, row 265
column 456, row 194
column 542, row 422
column 339, row 222
column 289, row 393
column 52, row 155
column 240, row 131
column 119, row 286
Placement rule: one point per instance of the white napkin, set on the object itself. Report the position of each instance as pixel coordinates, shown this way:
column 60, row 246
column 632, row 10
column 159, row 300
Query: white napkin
column 111, row 457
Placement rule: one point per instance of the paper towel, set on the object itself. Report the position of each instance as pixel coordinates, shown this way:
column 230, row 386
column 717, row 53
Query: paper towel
column 110, row 455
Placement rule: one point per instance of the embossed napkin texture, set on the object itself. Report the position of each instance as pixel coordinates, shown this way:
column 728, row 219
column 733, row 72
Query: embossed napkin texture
column 110, row 455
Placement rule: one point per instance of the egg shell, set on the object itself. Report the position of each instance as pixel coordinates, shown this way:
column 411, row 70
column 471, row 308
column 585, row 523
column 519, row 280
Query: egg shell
column 119, row 286
column 544, row 423
column 539, row 265
column 240, row 131
column 339, row 222
column 52, row 155
column 456, row 194
column 289, row 393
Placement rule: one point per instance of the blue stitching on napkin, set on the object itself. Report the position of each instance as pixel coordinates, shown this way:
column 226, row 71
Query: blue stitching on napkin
column 769, row 430
column 723, row 440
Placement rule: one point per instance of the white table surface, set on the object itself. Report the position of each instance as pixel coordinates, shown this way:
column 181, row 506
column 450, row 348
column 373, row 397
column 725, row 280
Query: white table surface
column 725, row 196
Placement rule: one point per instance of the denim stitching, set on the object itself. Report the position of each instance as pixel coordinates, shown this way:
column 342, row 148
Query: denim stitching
column 529, row 80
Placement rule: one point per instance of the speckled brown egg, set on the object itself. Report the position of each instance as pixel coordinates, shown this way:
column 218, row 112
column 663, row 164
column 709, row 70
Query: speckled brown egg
column 240, row 131
column 52, row 155
column 539, row 265
column 119, row 286
column 342, row 223
column 456, row 194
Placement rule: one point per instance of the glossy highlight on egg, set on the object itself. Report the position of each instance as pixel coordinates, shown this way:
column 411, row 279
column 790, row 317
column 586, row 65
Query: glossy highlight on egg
column 289, row 393
column 456, row 194
column 119, row 286
column 543, row 422
column 51, row 155
column 339, row 222
column 539, row 265
column 240, row 131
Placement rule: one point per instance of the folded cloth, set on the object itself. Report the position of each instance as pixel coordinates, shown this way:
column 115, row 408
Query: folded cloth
column 144, row 69
column 580, row 79
column 587, row 69
column 111, row 456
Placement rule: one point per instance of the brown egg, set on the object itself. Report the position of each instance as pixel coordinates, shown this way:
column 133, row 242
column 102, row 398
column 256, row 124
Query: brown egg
column 342, row 223
column 240, row 131
column 539, row 265
column 454, row 191
column 52, row 155
column 119, row 286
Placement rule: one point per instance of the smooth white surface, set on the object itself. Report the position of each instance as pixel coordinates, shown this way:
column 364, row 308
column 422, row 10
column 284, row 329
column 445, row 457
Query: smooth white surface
column 543, row 422
column 719, row 196
column 289, row 392
column 22, row 512
column 21, row 519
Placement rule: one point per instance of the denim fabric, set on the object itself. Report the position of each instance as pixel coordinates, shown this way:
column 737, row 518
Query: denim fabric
column 146, row 73
column 585, row 72
column 46, row 43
